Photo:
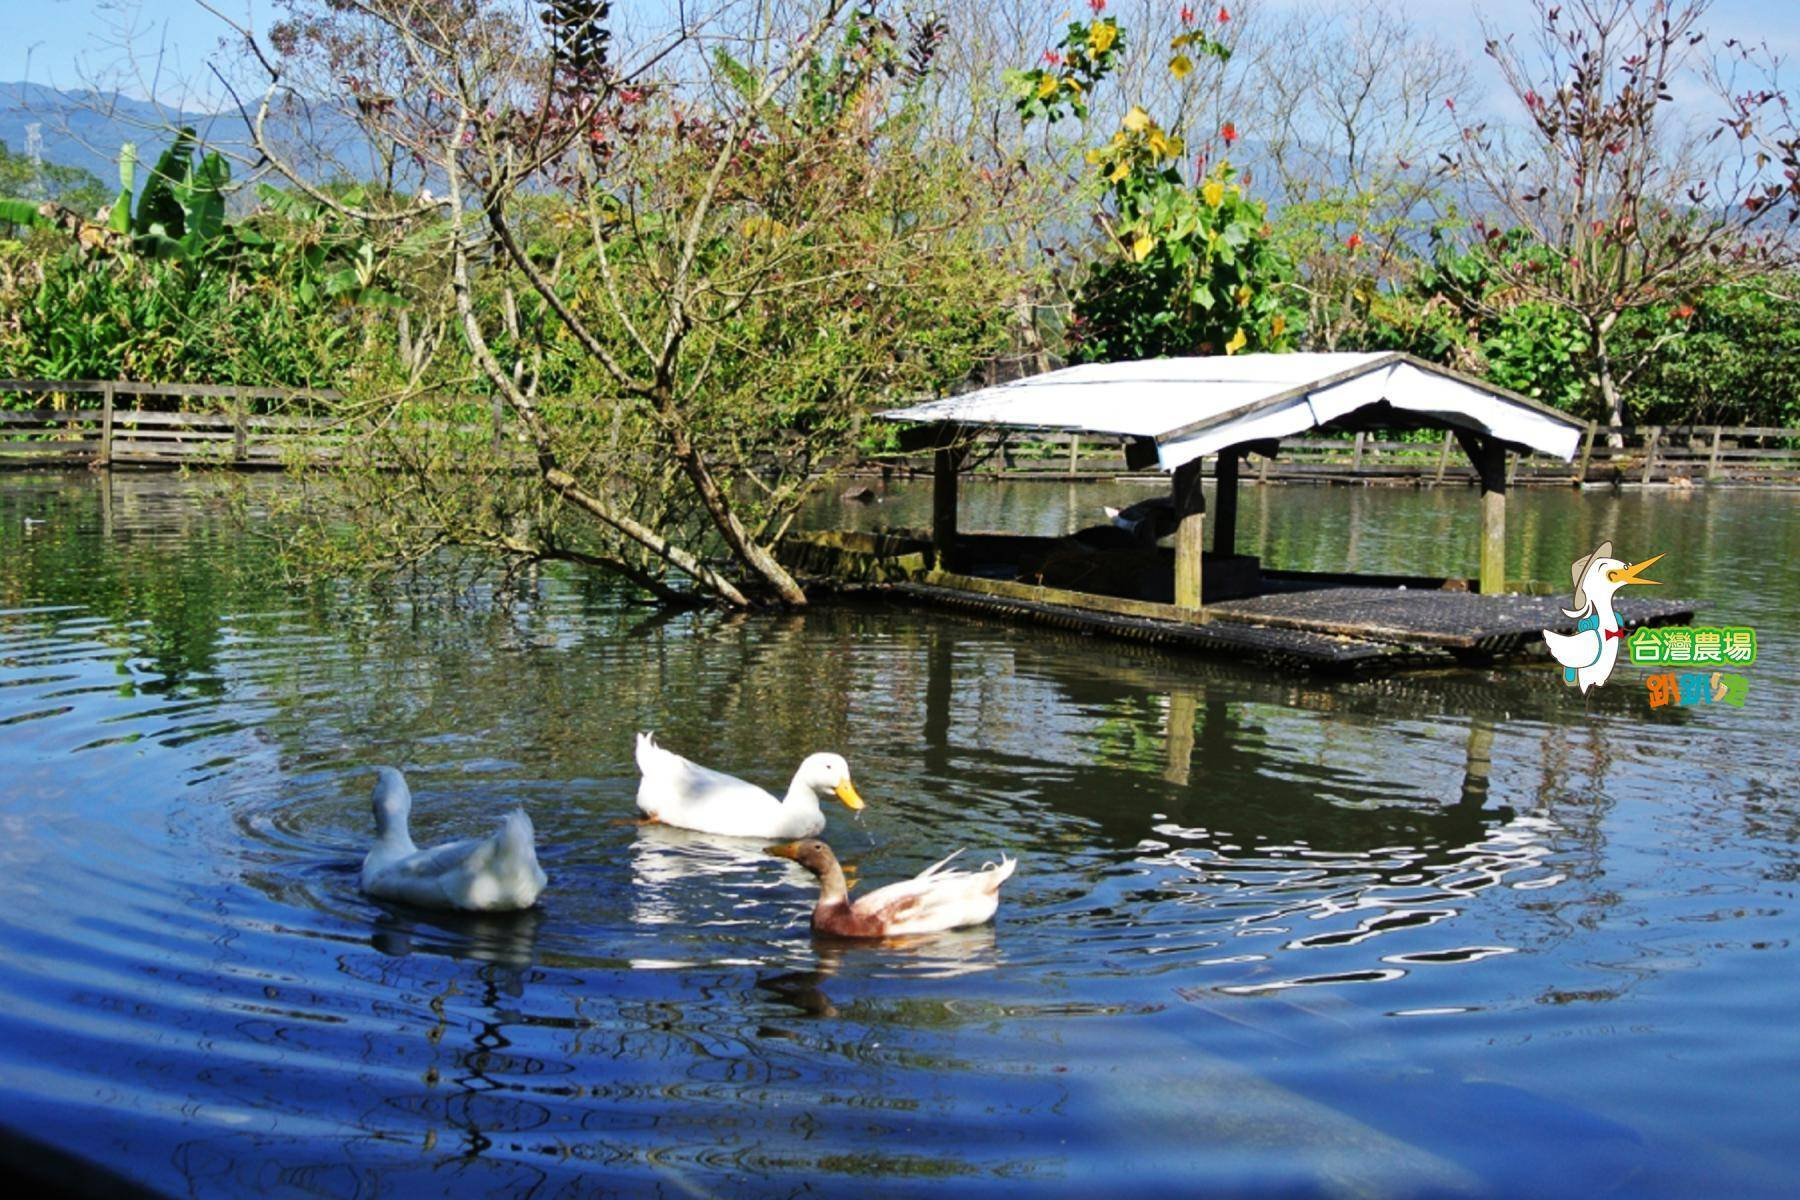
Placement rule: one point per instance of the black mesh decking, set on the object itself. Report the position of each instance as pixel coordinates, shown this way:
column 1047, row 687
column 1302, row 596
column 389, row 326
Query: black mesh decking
column 1418, row 617
column 1337, row 630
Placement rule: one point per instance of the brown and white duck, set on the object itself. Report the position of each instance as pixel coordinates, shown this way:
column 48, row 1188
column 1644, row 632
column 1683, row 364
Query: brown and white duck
column 934, row 900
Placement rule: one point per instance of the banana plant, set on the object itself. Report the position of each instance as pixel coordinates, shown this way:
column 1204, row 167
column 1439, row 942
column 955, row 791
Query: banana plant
column 120, row 221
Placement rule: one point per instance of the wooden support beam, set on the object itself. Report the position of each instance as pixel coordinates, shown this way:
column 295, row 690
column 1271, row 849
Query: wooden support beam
column 1489, row 459
column 1225, row 502
column 107, row 407
column 1443, row 458
column 946, row 462
column 1190, row 540
column 919, row 438
column 1650, row 452
column 1587, row 453
column 1712, row 464
column 1140, row 454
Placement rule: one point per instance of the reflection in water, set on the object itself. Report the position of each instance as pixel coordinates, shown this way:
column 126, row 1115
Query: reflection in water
column 1267, row 935
column 507, row 939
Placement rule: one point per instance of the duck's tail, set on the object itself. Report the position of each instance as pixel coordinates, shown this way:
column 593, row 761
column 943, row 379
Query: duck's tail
column 647, row 752
column 516, row 841
column 998, row 873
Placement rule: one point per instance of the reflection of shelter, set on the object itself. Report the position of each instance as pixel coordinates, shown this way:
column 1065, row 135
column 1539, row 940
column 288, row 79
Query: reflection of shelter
column 1174, row 414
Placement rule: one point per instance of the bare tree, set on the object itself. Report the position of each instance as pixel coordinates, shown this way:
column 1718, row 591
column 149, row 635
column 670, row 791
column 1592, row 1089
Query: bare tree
column 1650, row 162
column 729, row 236
column 1354, row 96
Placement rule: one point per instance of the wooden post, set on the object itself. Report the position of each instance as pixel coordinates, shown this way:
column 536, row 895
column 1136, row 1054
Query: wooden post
column 1225, row 498
column 945, row 463
column 240, row 431
column 1650, row 451
column 1712, row 463
column 107, row 398
column 1262, row 469
column 1587, row 454
column 1190, row 541
column 1356, row 455
column 1489, row 459
column 497, row 410
column 1074, row 450
column 1437, row 479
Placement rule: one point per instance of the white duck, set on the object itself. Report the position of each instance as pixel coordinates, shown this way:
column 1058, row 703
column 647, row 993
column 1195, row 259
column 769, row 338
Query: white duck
column 930, row 902
column 1588, row 654
column 499, row 873
column 678, row 792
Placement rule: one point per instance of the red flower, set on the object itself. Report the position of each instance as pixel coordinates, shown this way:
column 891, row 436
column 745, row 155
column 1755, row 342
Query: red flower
column 1450, row 103
column 1053, row 58
column 1353, row 241
column 1229, row 133
column 1099, row 6
column 1187, row 15
column 1224, row 15
column 1684, row 312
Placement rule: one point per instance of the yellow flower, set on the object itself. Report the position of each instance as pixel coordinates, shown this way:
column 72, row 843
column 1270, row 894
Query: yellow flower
column 1242, row 295
column 1073, row 84
column 1096, row 154
column 1180, row 65
column 1119, row 171
column 1046, row 87
column 1140, row 249
column 1279, row 324
column 1102, row 36
column 1238, row 342
column 1137, row 120
column 1213, row 193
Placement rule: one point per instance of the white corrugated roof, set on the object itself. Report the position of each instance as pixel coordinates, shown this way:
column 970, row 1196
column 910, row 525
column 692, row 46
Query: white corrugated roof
column 1191, row 407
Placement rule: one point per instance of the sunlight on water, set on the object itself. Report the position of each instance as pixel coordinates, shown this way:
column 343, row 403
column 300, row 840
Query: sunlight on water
column 1232, row 884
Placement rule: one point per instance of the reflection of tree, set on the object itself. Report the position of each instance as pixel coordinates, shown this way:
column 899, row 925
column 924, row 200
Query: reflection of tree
column 164, row 572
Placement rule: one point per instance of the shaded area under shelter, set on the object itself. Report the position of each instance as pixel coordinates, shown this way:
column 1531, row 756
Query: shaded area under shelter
column 1151, row 574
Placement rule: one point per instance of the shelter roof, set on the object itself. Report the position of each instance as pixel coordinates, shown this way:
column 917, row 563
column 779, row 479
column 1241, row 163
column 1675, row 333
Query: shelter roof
column 1191, row 407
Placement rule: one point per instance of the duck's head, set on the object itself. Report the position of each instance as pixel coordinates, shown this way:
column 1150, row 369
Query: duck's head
column 1606, row 575
column 810, row 853
column 392, row 800
column 829, row 775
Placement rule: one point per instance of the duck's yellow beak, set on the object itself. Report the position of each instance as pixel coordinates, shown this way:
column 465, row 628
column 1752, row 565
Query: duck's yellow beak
column 846, row 791
column 1630, row 574
column 784, row 850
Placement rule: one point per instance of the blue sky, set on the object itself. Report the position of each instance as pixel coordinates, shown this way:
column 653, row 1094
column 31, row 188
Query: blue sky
column 67, row 43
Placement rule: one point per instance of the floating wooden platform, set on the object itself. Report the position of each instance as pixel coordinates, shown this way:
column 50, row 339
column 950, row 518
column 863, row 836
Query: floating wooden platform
column 1451, row 620
column 1342, row 625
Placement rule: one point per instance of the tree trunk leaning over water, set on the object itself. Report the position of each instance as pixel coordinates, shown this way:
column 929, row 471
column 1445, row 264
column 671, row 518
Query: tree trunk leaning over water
column 726, row 275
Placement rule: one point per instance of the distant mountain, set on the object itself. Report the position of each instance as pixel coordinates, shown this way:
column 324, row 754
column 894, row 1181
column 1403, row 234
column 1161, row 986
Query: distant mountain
column 85, row 129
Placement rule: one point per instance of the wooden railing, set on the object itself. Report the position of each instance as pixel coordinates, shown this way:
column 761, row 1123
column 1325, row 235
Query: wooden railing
column 1648, row 454
column 167, row 424
column 113, row 422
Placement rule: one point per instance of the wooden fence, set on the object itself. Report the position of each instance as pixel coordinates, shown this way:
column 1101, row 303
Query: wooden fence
column 116, row 422
column 1649, row 454
column 167, row 424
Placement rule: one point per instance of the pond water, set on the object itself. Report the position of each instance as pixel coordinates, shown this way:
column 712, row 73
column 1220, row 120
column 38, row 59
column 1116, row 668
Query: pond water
column 1456, row 934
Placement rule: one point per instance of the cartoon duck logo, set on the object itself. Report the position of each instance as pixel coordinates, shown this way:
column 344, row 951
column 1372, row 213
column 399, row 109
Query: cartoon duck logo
column 1588, row 654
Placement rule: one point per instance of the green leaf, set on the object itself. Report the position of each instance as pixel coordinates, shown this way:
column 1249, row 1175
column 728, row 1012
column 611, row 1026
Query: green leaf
column 158, row 205
column 120, row 220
